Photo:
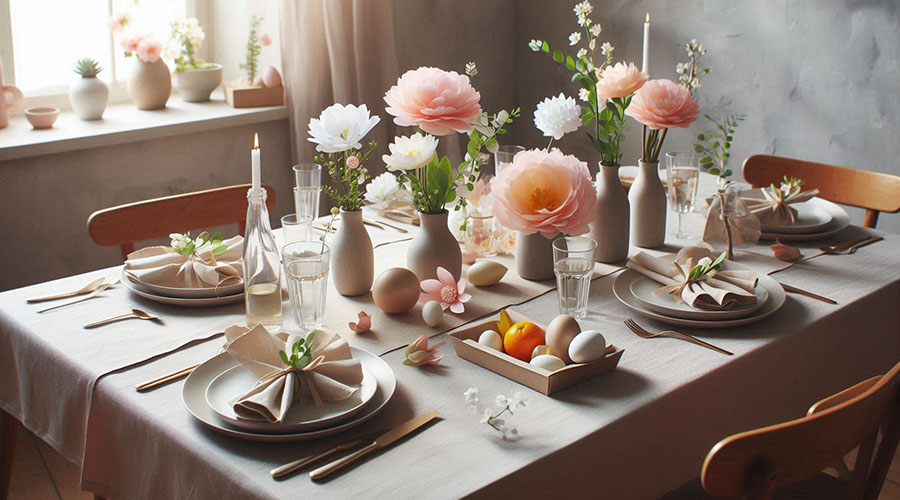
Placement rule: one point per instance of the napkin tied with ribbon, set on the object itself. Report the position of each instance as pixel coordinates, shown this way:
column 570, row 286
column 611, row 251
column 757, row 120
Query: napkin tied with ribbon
column 159, row 265
column 776, row 209
column 331, row 375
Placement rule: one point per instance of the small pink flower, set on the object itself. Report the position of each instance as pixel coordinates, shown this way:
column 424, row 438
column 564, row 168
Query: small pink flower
column 663, row 104
column 265, row 39
column 620, row 80
column 418, row 353
column 437, row 101
column 148, row 50
column 118, row 22
column 129, row 43
column 445, row 291
column 785, row 252
column 363, row 324
column 353, row 162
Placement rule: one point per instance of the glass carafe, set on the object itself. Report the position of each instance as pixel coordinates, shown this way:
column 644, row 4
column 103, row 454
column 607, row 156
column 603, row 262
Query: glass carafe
column 262, row 269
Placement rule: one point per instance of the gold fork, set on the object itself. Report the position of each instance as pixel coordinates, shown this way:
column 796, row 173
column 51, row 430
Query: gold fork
column 640, row 332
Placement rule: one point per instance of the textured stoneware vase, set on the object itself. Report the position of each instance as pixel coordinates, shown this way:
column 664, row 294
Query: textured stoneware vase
column 648, row 207
column 150, row 85
column 534, row 256
column 433, row 246
column 89, row 97
column 610, row 226
column 352, row 257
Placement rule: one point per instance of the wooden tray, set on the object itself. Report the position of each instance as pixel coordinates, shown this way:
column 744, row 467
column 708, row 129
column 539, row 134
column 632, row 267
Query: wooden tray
column 252, row 97
column 465, row 342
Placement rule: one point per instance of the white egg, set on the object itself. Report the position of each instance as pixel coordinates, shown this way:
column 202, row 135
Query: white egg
column 432, row 313
column 548, row 362
column 491, row 339
column 587, row 346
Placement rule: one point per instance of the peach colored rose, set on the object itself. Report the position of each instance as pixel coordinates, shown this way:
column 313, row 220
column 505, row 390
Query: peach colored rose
column 620, row 80
column 437, row 101
column 148, row 50
column 544, row 192
column 663, row 104
column 129, row 43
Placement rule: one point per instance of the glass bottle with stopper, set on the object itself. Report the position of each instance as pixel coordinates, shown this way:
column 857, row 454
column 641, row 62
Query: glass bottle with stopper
column 262, row 269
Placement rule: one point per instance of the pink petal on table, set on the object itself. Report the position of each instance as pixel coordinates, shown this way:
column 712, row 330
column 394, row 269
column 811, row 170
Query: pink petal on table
column 363, row 324
column 785, row 252
column 433, row 358
column 435, row 346
column 420, row 344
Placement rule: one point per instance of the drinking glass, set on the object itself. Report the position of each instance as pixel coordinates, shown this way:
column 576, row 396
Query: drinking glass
column 504, row 156
column 573, row 264
column 306, row 277
column 308, row 185
column 293, row 229
column 480, row 235
column 682, row 177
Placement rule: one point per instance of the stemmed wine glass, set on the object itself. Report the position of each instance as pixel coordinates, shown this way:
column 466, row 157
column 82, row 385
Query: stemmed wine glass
column 683, row 172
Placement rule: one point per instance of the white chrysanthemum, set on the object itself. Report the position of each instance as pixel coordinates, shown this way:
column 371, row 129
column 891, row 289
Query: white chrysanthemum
column 584, row 94
column 341, row 127
column 557, row 116
column 383, row 188
column 574, row 38
column 606, row 49
column 583, row 9
column 596, row 29
column 535, row 45
column 411, row 152
column 581, row 52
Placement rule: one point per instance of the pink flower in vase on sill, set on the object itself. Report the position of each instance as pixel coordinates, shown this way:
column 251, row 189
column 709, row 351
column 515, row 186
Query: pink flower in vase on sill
column 129, row 43
column 148, row 50
column 620, row 80
column 663, row 104
column 447, row 292
column 265, row 39
column 437, row 101
column 118, row 22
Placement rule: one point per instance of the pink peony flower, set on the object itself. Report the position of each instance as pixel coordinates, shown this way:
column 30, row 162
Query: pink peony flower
column 117, row 23
column 129, row 43
column 363, row 324
column 785, row 252
column 545, row 192
column 620, row 80
column 445, row 291
column 418, row 353
column 265, row 39
column 663, row 104
column 353, row 162
column 148, row 50
column 437, row 101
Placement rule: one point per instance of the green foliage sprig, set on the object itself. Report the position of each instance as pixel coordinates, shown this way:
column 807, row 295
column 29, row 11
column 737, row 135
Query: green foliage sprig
column 301, row 353
column 348, row 180
column 702, row 269
column 87, row 67
column 715, row 145
column 250, row 64
column 184, row 245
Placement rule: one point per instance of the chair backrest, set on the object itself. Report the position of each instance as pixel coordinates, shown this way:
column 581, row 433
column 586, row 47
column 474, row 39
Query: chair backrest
column 755, row 463
column 123, row 225
column 874, row 191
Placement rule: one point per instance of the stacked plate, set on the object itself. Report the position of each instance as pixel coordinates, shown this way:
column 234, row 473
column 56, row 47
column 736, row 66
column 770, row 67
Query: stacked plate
column 636, row 291
column 816, row 219
column 209, row 388
column 192, row 297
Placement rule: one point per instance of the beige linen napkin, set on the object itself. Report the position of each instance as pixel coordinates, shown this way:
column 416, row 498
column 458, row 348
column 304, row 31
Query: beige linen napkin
column 723, row 290
column 162, row 266
column 775, row 210
column 333, row 374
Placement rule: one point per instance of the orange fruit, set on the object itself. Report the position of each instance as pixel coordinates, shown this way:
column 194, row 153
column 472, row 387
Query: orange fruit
column 521, row 339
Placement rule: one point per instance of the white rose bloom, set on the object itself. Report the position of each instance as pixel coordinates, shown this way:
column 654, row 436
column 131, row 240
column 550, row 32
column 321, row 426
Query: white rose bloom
column 411, row 152
column 557, row 116
column 341, row 127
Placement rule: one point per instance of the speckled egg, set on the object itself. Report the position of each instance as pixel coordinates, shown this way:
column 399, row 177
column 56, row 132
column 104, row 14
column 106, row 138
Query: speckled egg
column 491, row 339
column 396, row 290
column 560, row 333
column 587, row 346
column 548, row 362
column 432, row 313
column 486, row 273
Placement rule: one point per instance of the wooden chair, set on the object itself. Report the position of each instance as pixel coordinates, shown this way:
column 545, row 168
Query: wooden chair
column 125, row 224
column 755, row 463
column 874, row 191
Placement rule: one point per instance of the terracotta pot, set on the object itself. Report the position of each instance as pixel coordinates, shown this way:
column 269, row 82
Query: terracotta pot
column 534, row 256
column 195, row 85
column 41, row 118
column 352, row 257
column 648, row 207
column 610, row 226
column 433, row 246
column 150, row 85
column 89, row 97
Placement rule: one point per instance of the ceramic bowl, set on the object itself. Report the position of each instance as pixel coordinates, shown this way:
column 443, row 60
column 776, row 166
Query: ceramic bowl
column 41, row 117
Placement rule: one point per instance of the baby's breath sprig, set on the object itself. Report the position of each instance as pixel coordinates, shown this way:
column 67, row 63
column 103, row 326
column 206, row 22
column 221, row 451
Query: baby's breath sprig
column 184, row 245
column 690, row 72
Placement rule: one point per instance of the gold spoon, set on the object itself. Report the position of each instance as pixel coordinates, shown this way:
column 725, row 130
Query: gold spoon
column 90, row 287
column 135, row 314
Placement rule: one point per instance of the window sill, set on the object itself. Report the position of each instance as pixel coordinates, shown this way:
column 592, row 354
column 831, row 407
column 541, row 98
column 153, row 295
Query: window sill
column 123, row 123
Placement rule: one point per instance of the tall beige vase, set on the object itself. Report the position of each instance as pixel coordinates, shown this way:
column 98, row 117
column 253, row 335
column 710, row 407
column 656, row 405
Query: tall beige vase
column 534, row 256
column 610, row 225
column 150, row 85
column 352, row 256
column 648, row 207
column 433, row 246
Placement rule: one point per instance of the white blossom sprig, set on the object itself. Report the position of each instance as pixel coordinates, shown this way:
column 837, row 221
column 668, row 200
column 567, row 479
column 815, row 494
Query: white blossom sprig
column 690, row 72
column 505, row 404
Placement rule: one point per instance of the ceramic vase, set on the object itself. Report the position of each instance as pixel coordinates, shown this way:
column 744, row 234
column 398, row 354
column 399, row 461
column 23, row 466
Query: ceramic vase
column 89, row 97
column 150, row 85
column 352, row 256
column 434, row 245
column 195, row 85
column 534, row 256
column 648, row 207
column 610, row 225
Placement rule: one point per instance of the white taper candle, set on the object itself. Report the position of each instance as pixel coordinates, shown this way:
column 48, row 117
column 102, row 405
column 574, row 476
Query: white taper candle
column 254, row 159
column 645, row 62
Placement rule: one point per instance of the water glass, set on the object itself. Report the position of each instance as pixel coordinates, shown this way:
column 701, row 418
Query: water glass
column 573, row 264
column 504, row 156
column 306, row 277
column 480, row 235
column 308, row 185
column 682, row 178
column 294, row 229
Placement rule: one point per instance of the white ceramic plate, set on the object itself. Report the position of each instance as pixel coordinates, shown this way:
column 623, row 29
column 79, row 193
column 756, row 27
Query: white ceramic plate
column 812, row 217
column 839, row 220
column 193, row 394
column 642, row 289
column 189, row 293
column 139, row 290
column 300, row 418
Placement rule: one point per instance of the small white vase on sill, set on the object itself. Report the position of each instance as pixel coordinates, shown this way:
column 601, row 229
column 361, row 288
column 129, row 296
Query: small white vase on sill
column 648, row 207
column 89, row 96
column 610, row 225
column 352, row 256
column 434, row 245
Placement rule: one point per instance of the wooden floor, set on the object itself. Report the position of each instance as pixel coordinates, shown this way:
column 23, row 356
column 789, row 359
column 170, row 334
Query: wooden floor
column 40, row 473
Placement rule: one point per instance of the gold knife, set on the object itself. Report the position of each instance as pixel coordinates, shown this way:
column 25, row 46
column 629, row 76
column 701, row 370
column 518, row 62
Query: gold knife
column 800, row 291
column 382, row 441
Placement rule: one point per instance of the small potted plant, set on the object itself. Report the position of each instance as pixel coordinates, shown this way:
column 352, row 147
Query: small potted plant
column 88, row 95
column 195, row 78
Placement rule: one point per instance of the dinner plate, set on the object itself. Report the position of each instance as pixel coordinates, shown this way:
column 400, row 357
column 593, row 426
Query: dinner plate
column 301, row 417
column 622, row 291
column 642, row 289
column 812, row 217
column 193, row 394
column 189, row 293
column 839, row 220
column 138, row 289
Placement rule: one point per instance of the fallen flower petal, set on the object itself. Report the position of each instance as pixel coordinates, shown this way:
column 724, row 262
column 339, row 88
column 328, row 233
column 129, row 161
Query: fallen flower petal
column 785, row 252
column 364, row 323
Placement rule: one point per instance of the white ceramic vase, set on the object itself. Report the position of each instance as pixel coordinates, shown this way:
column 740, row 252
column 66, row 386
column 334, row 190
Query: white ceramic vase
column 648, row 207
column 434, row 245
column 150, row 85
column 352, row 256
column 534, row 256
column 89, row 97
column 611, row 223
column 197, row 84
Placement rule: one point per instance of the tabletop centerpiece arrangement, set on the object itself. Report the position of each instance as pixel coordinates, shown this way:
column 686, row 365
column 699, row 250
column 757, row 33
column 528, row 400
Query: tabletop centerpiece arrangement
column 195, row 78
column 88, row 95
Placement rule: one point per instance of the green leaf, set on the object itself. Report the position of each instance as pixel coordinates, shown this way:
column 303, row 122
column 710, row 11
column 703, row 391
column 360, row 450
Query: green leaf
column 558, row 56
column 718, row 262
column 570, row 63
column 587, row 118
column 492, row 146
column 698, row 148
column 701, row 137
column 188, row 249
column 219, row 249
column 284, row 357
column 545, row 47
column 715, row 171
column 728, row 173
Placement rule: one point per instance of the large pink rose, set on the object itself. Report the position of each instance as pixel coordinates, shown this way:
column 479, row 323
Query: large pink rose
column 437, row 101
column 663, row 104
column 620, row 80
column 544, row 192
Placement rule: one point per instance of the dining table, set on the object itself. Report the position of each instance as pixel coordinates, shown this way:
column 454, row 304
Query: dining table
column 638, row 431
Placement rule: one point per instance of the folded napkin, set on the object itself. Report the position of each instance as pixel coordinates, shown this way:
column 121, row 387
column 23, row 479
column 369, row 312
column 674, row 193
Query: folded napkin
column 715, row 290
column 163, row 266
column 775, row 210
column 331, row 375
